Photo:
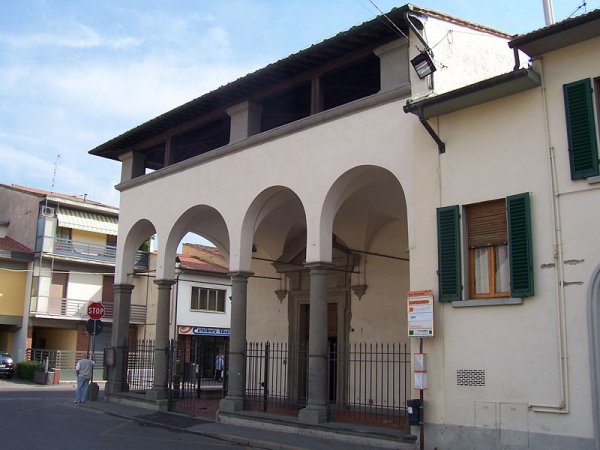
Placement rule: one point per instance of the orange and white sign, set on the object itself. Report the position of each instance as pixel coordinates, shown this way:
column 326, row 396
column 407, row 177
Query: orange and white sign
column 420, row 313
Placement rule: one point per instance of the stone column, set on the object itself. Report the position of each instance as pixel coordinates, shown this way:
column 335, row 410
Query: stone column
column 316, row 406
column 393, row 64
column 117, row 378
column 132, row 165
column 237, row 344
column 161, row 343
column 245, row 120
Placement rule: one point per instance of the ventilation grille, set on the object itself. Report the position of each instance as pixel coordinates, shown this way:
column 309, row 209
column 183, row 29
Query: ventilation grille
column 470, row 377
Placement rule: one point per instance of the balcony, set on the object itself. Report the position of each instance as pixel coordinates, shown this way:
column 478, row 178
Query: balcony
column 92, row 252
column 72, row 309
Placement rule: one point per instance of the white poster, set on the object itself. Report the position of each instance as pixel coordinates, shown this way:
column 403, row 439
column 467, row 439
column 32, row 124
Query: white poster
column 420, row 313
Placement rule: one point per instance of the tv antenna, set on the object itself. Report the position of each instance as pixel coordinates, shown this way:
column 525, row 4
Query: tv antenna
column 54, row 173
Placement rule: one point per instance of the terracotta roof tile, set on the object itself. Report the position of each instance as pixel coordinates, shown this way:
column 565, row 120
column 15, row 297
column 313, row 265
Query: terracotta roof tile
column 43, row 193
column 10, row 245
column 194, row 263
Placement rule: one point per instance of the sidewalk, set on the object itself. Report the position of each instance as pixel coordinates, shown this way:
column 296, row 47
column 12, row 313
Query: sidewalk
column 255, row 434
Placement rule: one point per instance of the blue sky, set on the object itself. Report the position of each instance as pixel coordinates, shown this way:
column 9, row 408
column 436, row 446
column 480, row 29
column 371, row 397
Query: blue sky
column 74, row 74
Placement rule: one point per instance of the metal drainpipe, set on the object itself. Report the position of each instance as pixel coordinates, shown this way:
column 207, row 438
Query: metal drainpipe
column 563, row 357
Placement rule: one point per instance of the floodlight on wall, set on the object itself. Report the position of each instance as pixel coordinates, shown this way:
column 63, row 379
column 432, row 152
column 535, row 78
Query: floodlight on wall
column 423, row 65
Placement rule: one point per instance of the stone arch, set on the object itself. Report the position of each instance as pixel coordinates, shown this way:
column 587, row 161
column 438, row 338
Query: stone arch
column 271, row 201
column 342, row 189
column 127, row 248
column 203, row 220
column 594, row 338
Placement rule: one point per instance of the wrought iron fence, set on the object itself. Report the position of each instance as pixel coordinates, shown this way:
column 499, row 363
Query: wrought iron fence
column 367, row 382
column 140, row 365
column 194, row 383
column 372, row 383
column 276, row 378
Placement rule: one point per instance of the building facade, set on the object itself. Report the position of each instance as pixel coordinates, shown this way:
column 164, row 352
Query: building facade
column 338, row 203
column 73, row 242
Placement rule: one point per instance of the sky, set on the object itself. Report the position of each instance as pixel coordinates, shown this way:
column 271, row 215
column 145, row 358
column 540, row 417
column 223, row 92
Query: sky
column 76, row 73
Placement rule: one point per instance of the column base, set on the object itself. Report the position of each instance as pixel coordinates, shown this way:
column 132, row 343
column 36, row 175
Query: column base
column 157, row 394
column 312, row 415
column 231, row 404
column 115, row 387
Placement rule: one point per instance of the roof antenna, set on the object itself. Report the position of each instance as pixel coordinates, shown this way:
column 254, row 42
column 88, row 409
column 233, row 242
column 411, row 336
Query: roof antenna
column 54, row 174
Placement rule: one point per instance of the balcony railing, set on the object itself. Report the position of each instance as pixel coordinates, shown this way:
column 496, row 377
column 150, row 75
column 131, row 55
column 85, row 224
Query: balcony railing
column 72, row 309
column 94, row 252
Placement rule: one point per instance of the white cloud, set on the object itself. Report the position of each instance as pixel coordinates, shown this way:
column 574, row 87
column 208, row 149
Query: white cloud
column 75, row 36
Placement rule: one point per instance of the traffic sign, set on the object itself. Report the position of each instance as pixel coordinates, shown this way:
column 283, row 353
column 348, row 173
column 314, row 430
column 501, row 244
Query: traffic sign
column 93, row 327
column 95, row 310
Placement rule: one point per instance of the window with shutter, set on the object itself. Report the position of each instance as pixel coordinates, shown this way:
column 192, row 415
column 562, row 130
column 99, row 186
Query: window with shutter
column 499, row 243
column 487, row 241
column 581, row 129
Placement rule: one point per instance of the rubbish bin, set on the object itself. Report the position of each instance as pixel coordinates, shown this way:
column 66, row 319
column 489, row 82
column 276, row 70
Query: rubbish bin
column 56, row 376
column 414, row 411
column 93, row 392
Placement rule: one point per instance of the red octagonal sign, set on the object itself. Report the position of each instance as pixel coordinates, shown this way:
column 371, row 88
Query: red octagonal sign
column 95, row 310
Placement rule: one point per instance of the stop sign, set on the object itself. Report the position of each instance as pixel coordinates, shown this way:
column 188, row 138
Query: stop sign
column 95, row 310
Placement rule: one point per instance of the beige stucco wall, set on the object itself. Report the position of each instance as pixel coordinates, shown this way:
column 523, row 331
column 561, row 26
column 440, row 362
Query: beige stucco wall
column 332, row 149
column 12, row 290
column 461, row 55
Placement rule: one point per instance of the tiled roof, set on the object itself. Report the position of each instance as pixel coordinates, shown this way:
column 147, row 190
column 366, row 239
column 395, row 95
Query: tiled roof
column 376, row 31
column 194, row 263
column 9, row 245
column 44, row 193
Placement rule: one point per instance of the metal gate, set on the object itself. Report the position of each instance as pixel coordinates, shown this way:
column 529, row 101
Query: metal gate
column 368, row 383
column 197, row 377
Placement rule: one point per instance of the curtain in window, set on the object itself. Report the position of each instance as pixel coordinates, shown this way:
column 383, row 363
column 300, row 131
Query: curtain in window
column 502, row 269
column 482, row 274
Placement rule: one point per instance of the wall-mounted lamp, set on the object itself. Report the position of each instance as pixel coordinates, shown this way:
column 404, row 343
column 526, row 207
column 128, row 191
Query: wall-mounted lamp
column 281, row 293
column 423, row 65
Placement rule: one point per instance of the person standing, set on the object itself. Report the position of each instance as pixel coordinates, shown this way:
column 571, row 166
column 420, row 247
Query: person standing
column 84, row 370
column 219, row 363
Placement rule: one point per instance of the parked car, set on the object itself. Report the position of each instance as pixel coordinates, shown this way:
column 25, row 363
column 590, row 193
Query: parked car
column 7, row 365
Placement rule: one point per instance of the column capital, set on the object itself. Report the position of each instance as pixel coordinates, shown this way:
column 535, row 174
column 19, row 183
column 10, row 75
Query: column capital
column 318, row 265
column 123, row 288
column 164, row 283
column 240, row 274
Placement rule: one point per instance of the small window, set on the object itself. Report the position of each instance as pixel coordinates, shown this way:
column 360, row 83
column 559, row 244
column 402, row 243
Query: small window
column 204, row 299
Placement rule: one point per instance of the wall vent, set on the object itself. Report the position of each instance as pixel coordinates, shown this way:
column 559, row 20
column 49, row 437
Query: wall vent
column 470, row 377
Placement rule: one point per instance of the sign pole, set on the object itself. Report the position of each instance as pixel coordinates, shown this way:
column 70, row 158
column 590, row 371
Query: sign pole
column 421, row 416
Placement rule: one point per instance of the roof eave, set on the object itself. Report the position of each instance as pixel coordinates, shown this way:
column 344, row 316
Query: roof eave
column 475, row 94
column 559, row 35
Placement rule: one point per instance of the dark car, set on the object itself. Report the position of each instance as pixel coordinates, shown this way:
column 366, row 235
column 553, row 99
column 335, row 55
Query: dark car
column 7, row 365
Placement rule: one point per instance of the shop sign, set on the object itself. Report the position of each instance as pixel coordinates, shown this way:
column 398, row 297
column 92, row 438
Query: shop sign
column 203, row 331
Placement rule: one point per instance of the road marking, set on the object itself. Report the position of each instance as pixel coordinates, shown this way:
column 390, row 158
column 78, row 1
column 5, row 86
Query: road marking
column 115, row 428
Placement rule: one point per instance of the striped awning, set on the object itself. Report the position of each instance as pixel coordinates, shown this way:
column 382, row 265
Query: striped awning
column 80, row 220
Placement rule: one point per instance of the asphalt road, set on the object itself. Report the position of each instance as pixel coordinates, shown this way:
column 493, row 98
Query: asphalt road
column 45, row 417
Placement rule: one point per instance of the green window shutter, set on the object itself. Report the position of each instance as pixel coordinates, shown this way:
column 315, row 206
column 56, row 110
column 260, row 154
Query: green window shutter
column 581, row 129
column 449, row 272
column 519, row 245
